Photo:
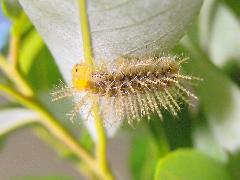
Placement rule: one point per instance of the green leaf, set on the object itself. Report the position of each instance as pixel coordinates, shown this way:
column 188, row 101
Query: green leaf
column 31, row 46
column 143, row 157
column 11, row 9
column 43, row 73
column 232, row 69
column 178, row 130
column 158, row 132
column 234, row 165
column 234, row 5
column 21, row 25
column 187, row 164
column 172, row 133
column 86, row 140
column 56, row 177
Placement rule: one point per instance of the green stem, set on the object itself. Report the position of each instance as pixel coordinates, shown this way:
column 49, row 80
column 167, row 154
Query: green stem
column 101, row 152
column 14, row 48
column 12, row 73
column 87, row 45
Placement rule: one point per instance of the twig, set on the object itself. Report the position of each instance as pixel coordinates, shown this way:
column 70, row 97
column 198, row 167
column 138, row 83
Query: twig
column 101, row 142
column 12, row 73
column 13, row 49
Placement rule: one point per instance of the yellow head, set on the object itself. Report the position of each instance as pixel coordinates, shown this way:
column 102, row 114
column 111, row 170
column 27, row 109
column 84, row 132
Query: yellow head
column 81, row 75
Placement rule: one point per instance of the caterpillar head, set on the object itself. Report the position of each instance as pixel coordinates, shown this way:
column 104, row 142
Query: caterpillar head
column 81, row 75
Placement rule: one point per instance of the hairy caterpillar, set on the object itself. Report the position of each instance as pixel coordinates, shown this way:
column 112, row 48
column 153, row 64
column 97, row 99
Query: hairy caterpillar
column 131, row 88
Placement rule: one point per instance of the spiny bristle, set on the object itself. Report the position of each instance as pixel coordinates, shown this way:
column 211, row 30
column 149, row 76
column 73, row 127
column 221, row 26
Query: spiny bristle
column 61, row 91
column 153, row 74
column 135, row 88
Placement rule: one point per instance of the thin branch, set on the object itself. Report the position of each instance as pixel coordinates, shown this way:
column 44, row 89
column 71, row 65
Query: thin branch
column 55, row 128
column 101, row 153
column 12, row 73
column 87, row 45
column 14, row 50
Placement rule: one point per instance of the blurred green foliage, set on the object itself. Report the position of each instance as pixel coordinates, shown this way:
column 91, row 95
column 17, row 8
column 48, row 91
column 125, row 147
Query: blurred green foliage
column 44, row 178
column 13, row 10
column 215, row 99
column 155, row 146
column 234, row 5
column 191, row 165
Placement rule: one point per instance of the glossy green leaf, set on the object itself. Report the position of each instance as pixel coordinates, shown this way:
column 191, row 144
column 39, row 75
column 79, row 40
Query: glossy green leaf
column 187, row 164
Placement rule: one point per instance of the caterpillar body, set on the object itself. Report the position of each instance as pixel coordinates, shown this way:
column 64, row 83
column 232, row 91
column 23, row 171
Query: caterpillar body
column 132, row 88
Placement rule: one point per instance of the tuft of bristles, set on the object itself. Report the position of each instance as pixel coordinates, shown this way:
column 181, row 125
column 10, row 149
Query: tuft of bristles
column 134, row 88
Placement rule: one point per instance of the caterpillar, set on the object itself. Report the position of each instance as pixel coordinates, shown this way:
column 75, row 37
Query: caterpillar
column 131, row 88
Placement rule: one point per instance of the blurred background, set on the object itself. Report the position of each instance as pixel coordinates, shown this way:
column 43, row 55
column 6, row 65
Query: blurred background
column 211, row 126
